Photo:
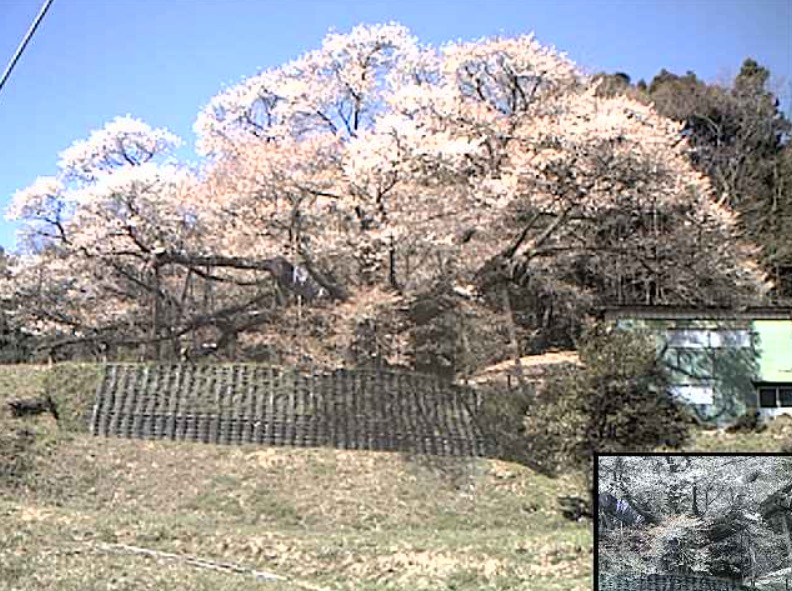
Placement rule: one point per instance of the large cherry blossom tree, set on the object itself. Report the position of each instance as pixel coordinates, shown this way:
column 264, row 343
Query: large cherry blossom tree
column 92, row 234
column 371, row 170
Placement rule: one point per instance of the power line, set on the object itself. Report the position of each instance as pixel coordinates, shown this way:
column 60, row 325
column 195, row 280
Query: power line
column 25, row 41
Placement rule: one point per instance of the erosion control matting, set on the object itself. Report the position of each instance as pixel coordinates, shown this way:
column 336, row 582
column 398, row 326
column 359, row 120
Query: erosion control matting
column 376, row 410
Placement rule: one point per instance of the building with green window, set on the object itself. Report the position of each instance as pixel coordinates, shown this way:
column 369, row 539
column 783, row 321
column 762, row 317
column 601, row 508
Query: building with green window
column 723, row 363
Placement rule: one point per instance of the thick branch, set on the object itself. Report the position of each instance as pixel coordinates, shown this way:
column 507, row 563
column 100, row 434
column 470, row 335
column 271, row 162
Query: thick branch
column 308, row 282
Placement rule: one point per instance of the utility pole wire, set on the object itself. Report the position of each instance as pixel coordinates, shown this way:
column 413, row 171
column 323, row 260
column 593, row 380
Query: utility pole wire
column 24, row 43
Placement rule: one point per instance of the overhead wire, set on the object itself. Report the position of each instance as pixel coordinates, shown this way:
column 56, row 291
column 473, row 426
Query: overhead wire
column 25, row 40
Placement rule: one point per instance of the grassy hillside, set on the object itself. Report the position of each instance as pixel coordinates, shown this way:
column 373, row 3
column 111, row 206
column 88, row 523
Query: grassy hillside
column 75, row 512
column 341, row 520
column 81, row 513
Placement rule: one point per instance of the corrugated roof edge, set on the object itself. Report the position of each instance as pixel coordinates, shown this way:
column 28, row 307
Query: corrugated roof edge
column 688, row 313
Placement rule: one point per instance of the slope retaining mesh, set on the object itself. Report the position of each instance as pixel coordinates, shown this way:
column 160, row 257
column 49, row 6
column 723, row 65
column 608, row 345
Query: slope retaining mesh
column 236, row 404
column 669, row 582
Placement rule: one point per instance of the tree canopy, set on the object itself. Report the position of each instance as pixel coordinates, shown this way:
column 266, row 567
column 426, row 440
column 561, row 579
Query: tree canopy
column 739, row 138
column 343, row 185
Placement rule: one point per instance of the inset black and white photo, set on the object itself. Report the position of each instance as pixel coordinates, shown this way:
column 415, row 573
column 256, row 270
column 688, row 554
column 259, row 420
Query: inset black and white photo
column 694, row 522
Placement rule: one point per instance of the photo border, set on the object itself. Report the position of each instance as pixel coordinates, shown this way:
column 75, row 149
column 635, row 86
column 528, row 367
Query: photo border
column 595, row 483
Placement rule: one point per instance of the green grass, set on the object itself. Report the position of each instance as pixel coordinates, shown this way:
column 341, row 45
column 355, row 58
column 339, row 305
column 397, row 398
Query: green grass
column 322, row 518
column 72, row 387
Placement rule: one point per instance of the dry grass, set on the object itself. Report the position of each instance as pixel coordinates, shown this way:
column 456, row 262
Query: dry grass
column 345, row 520
column 322, row 518
column 326, row 518
column 778, row 433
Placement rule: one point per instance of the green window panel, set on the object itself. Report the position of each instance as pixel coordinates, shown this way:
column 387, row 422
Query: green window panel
column 774, row 346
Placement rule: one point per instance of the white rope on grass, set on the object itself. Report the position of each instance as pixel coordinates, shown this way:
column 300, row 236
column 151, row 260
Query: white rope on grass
column 195, row 561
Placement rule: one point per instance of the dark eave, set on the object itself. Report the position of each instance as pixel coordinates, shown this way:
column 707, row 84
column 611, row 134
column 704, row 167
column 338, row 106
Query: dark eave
column 688, row 313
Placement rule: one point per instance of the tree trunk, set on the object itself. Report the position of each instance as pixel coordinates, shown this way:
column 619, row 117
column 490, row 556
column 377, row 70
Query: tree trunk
column 787, row 535
column 394, row 283
column 156, row 319
column 695, row 508
column 515, row 345
column 465, row 361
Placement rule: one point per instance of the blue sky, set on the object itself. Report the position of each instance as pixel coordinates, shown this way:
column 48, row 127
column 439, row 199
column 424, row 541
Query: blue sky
column 161, row 60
